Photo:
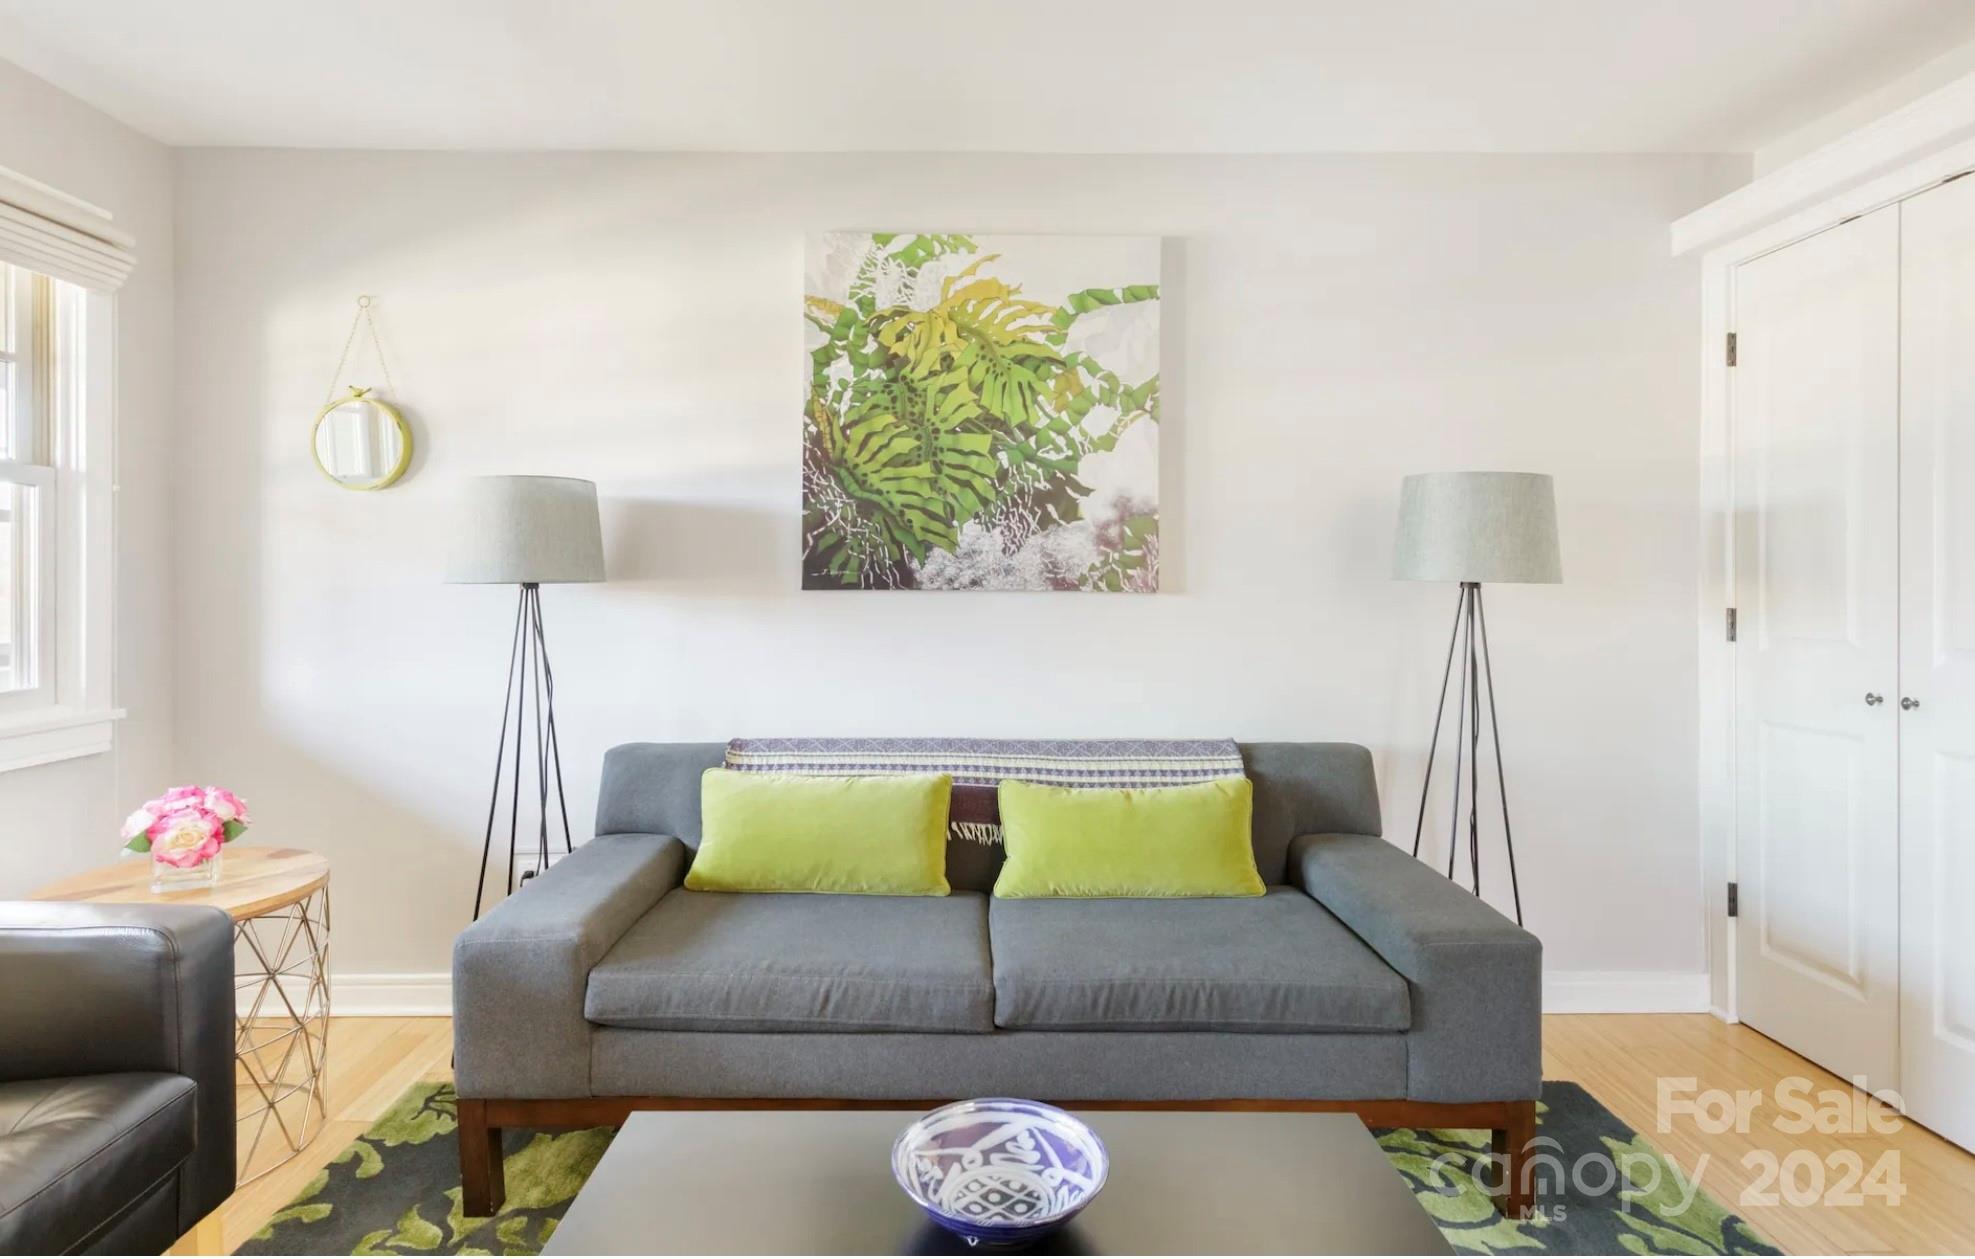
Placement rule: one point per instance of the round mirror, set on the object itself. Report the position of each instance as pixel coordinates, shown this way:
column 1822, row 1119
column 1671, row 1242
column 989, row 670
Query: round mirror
column 361, row 442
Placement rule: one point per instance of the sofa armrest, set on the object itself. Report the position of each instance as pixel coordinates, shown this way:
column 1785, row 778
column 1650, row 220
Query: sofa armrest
column 1474, row 977
column 519, row 974
column 96, row 989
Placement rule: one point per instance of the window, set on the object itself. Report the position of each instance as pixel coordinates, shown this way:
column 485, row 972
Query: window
column 29, row 373
column 54, row 518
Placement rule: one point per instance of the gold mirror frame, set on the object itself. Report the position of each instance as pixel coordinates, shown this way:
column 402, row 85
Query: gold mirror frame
column 396, row 470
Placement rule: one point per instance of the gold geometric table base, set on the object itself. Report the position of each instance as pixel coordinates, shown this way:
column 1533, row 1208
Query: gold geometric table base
column 281, row 1041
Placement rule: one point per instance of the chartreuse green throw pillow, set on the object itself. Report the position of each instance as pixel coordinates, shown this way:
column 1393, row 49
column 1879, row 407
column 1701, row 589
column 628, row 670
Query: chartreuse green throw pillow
column 1128, row 841
column 884, row 835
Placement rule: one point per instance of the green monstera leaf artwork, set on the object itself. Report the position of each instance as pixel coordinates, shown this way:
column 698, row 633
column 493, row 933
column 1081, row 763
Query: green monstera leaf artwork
column 982, row 413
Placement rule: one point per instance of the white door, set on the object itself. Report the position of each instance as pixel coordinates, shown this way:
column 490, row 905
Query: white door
column 1937, row 660
column 1814, row 402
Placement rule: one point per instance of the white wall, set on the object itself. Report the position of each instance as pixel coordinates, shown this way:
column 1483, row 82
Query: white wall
column 1332, row 323
column 62, row 818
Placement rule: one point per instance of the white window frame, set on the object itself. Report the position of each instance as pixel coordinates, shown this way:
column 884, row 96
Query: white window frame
column 29, row 465
column 68, row 461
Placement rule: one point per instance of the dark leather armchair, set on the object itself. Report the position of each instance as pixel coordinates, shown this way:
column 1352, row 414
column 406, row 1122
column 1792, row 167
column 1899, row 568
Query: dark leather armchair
column 116, row 1075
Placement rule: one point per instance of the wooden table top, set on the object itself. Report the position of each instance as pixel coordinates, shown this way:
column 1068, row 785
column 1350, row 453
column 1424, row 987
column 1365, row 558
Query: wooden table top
column 252, row 881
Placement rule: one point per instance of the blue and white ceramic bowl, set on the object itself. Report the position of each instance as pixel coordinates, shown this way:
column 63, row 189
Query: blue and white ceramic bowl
column 1000, row 1171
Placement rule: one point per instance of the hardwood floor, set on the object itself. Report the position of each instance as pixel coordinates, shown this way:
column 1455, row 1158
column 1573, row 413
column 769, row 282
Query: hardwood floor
column 1620, row 1059
column 371, row 1061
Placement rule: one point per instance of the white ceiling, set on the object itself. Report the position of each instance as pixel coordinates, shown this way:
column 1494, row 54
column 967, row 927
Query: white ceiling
column 1008, row 75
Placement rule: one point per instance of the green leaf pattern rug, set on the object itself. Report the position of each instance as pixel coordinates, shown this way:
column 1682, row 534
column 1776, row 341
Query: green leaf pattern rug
column 395, row 1190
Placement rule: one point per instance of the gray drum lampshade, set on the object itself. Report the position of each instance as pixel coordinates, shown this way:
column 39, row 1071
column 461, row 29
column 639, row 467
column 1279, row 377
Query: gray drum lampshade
column 1478, row 526
column 526, row 529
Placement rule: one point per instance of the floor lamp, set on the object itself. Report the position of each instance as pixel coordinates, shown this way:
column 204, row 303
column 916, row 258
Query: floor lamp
column 528, row 532
column 1474, row 528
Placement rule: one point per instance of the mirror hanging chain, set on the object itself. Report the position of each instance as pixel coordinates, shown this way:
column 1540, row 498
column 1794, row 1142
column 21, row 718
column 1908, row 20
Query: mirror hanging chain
column 364, row 319
column 360, row 441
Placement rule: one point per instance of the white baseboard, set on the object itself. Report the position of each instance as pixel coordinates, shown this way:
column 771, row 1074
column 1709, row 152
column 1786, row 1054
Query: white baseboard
column 1564, row 992
column 359, row 995
column 402, row 994
column 1625, row 992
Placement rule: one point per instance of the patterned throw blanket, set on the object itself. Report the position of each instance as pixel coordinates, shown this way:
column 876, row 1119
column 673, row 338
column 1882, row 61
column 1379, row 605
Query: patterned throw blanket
column 979, row 765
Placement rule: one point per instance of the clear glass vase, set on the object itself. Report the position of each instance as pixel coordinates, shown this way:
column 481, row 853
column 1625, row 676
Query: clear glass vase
column 166, row 877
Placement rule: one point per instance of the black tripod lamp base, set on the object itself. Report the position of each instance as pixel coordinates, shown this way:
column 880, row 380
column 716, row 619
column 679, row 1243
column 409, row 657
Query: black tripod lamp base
column 1469, row 641
column 529, row 696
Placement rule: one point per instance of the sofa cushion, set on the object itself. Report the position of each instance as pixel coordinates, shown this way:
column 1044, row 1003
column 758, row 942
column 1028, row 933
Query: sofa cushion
column 770, row 962
column 76, row 1152
column 1276, row 963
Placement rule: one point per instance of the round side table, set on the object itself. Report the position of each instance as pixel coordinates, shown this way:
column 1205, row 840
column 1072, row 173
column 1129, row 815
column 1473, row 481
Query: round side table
column 278, row 899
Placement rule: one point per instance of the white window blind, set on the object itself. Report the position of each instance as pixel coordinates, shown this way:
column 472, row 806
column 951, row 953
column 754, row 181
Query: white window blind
column 46, row 231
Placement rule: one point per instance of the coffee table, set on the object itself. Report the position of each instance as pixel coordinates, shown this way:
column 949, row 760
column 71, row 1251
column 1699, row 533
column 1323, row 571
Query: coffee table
column 819, row 1182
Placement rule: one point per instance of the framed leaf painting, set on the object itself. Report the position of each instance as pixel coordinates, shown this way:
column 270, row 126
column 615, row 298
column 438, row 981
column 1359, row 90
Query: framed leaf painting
column 982, row 413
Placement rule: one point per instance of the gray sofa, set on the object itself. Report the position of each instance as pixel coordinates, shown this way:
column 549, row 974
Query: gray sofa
column 116, row 1075
column 1361, row 981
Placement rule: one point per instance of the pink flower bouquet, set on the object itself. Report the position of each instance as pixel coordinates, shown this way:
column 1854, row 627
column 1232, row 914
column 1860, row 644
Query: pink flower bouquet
column 185, row 826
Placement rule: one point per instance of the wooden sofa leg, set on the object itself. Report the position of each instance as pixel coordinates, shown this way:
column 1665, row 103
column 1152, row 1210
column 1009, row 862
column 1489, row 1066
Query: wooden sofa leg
column 482, row 1181
column 1512, row 1146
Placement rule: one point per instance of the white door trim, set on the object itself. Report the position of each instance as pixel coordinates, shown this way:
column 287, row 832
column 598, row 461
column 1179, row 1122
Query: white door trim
column 1716, row 701
column 1890, row 144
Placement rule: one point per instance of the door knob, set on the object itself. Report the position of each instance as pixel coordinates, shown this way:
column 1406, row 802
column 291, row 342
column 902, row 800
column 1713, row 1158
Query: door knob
column 1874, row 699
column 1909, row 703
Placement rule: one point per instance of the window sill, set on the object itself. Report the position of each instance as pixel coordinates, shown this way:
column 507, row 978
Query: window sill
column 54, row 734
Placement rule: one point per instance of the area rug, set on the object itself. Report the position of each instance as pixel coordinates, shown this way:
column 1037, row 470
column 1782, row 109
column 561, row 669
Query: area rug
column 395, row 1190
